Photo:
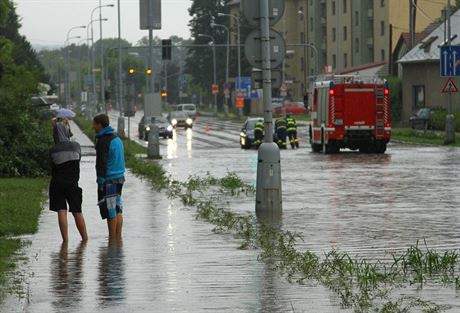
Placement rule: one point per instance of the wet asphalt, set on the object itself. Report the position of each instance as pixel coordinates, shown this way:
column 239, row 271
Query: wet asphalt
column 367, row 205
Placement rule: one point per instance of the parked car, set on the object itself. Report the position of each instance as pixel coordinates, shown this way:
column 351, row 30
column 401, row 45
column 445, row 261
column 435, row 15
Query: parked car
column 421, row 120
column 247, row 132
column 294, row 108
column 180, row 119
column 165, row 129
column 188, row 108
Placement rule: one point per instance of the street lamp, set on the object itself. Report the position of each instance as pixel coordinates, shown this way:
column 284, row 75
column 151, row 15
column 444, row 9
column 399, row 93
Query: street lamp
column 237, row 19
column 213, row 43
column 99, row 7
column 300, row 12
column 213, row 25
column 66, row 70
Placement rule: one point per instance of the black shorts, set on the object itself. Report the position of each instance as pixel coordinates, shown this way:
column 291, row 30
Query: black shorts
column 101, row 194
column 61, row 194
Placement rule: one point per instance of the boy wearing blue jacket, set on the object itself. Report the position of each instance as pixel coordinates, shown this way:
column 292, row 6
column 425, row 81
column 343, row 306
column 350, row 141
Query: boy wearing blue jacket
column 110, row 170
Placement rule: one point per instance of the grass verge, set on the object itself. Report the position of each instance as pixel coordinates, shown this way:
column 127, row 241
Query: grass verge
column 429, row 137
column 20, row 207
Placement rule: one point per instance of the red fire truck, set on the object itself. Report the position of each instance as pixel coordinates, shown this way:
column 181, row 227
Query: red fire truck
column 350, row 112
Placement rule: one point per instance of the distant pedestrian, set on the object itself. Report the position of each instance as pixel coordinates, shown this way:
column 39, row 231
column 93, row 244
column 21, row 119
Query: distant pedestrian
column 110, row 170
column 65, row 174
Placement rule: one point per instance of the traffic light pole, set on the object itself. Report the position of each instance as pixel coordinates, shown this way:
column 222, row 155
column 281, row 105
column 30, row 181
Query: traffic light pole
column 268, row 189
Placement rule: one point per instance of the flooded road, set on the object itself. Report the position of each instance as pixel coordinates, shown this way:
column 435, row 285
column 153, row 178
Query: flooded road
column 168, row 261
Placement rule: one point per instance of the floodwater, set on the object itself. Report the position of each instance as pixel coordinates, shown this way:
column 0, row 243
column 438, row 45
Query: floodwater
column 366, row 205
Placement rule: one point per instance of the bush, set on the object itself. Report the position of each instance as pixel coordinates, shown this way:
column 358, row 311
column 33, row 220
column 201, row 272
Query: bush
column 438, row 120
column 395, row 98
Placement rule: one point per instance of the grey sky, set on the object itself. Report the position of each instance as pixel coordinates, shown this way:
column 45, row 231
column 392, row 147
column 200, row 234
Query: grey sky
column 46, row 22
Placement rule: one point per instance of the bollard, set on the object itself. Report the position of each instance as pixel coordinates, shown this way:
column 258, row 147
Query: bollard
column 121, row 127
column 153, row 149
column 450, row 129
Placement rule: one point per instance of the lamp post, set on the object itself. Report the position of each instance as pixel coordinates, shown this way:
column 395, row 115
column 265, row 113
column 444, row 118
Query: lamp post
column 305, row 63
column 213, row 25
column 236, row 18
column 102, row 54
column 99, row 7
column 66, row 70
column 213, row 43
column 79, row 67
column 121, row 120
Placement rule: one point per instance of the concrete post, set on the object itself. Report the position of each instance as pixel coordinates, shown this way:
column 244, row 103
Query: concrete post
column 121, row 127
column 153, row 149
column 268, row 189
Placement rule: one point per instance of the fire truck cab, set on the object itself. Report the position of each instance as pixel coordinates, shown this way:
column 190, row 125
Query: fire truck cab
column 350, row 112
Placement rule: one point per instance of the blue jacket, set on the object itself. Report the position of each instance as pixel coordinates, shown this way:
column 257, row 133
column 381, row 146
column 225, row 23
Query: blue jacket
column 110, row 156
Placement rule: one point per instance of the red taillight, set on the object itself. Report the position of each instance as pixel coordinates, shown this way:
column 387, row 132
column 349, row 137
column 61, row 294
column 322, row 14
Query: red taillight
column 330, row 125
column 331, row 92
column 387, row 92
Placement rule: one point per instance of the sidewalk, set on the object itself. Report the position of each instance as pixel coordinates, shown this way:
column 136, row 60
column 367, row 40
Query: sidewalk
column 169, row 262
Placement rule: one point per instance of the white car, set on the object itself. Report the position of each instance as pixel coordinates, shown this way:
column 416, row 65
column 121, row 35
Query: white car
column 188, row 108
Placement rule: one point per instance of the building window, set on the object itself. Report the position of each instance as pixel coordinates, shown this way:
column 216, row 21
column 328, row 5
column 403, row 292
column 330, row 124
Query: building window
column 333, row 7
column 382, row 54
column 345, row 60
column 345, row 35
column 311, row 2
column 301, row 15
column 419, row 97
column 356, row 18
column 302, row 37
column 334, row 61
column 357, row 45
column 302, row 64
column 382, row 3
column 312, row 24
column 382, row 28
column 344, row 6
column 333, row 34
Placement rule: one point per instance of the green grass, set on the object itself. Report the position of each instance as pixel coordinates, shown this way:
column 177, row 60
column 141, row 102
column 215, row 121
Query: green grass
column 20, row 207
column 419, row 137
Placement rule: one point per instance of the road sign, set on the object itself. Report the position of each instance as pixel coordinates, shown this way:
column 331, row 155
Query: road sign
column 155, row 9
column 276, row 77
column 449, row 61
column 450, row 86
column 239, row 102
column 215, row 89
column 251, row 9
column 244, row 86
column 253, row 50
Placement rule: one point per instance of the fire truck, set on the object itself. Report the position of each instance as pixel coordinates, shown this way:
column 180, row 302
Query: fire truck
column 350, row 112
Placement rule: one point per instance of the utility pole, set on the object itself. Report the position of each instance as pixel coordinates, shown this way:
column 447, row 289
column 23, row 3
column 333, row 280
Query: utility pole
column 268, row 189
column 121, row 119
column 450, row 127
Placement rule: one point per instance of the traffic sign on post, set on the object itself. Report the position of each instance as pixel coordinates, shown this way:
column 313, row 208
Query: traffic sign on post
column 450, row 86
column 449, row 61
column 155, row 12
column 253, row 50
column 239, row 102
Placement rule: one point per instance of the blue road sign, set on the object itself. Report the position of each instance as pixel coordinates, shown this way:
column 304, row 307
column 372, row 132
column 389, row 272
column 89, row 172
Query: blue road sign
column 450, row 61
column 245, row 86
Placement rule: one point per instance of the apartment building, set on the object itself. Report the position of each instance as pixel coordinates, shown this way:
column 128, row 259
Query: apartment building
column 345, row 33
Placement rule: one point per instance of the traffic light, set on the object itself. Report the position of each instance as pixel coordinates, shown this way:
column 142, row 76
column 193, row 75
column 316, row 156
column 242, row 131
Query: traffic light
column 148, row 71
column 131, row 71
column 166, row 49
column 164, row 94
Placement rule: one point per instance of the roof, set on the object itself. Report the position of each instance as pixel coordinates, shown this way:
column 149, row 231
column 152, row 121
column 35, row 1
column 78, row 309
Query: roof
column 372, row 67
column 428, row 49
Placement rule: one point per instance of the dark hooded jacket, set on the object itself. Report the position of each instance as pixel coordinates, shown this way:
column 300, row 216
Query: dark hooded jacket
column 65, row 157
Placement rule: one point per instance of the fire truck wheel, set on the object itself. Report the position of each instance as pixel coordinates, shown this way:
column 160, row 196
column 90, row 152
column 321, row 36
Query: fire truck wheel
column 316, row 148
column 331, row 148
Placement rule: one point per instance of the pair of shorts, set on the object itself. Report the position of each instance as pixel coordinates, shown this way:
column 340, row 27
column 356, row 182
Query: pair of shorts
column 109, row 200
column 61, row 194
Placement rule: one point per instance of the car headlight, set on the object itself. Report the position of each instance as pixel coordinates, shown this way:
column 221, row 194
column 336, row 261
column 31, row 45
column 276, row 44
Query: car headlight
column 169, row 128
column 189, row 121
column 147, row 129
column 174, row 122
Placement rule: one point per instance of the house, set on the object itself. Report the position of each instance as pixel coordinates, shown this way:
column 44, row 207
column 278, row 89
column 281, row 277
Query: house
column 421, row 81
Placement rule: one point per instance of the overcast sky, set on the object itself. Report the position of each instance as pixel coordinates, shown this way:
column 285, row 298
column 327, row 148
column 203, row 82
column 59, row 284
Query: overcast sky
column 46, row 22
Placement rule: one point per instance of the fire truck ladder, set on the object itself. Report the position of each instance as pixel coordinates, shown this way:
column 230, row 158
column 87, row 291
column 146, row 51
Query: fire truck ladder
column 379, row 113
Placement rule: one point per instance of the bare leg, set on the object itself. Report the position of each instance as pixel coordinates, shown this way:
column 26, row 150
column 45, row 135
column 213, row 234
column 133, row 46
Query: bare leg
column 112, row 225
column 119, row 219
column 63, row 225
column 81, row 225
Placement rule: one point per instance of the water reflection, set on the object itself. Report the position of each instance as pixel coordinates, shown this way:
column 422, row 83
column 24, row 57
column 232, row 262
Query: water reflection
column 189, row 142
column 172, row 147
column 66, row 276
column 111, row 275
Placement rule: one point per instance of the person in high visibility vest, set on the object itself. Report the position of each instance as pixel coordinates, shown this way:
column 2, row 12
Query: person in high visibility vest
column 259, row 133
column 292, row 131
column 281, row 129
